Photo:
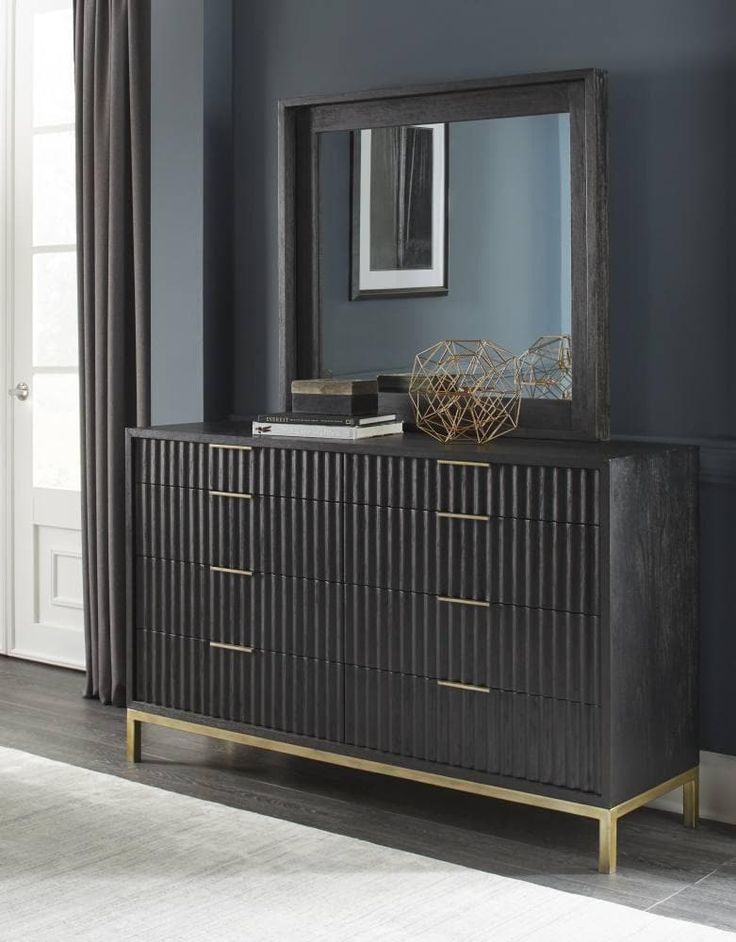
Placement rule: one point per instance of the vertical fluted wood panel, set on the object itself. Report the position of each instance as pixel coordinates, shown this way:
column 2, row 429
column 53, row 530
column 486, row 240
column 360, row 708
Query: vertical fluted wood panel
column 176, row 463
column 277, row 613
column 551, row 654
column 546, row 565
column 392, row 631
column 265, row 611
column 280, row 472
column 462, row 488
column 531, row 563
column 171, row 597
column 391, row 713
column 270, row 534
column 275, row 691
column 417, row 551
column 171, row 672
column 390, row 481
column 564, row 495
column 171, row 523
column 267, row 534
column 525, row 737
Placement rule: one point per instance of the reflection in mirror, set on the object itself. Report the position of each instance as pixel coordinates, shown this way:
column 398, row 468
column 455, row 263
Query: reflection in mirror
column 399, row 211
column 443, row 231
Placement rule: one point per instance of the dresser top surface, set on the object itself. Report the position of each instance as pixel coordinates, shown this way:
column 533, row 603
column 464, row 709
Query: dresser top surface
column 415, row 444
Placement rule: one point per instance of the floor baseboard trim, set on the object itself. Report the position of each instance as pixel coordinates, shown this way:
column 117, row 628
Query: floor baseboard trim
column 50, row 662
column 717, row 789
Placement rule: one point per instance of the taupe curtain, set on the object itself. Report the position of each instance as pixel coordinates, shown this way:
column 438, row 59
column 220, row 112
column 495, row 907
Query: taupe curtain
column 112, row 59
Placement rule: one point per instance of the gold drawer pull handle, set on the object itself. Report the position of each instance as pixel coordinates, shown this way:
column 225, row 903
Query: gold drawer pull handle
column 448, row 516
column 231, row 494
column 231, row 447
column 243, row 649
column 464, row 464
column 454, row 601
column 234, row 572
column 458, row 686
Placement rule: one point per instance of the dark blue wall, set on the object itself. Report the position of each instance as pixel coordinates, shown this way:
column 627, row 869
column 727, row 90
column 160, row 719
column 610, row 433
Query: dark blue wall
column 177, row 236
column 191, row 209
column 672, row 202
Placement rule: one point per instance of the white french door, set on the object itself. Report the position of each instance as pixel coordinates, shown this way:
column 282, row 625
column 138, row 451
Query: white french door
column 47, row 604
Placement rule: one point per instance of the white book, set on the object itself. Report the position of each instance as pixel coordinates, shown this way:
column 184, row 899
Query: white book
column 349, row 432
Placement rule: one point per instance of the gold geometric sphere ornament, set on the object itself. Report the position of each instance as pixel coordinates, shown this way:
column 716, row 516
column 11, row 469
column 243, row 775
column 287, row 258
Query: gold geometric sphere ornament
column 546, row 368
column 466, row 389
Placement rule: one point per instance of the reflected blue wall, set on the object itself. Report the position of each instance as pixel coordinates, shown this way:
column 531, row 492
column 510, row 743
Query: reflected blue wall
column 509, row 249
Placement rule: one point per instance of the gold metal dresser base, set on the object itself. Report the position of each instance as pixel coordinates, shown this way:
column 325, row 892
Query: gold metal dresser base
column 607, row 818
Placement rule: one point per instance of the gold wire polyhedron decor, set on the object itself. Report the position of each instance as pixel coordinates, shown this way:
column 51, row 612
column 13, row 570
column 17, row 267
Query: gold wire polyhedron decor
column 466, row 389
column 546, row 368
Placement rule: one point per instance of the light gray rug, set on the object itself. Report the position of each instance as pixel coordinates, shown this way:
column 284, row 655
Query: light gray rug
column 88, row 856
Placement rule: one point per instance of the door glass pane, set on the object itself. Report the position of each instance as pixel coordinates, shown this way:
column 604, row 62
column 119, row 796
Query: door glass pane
column 55, row 399
column 54, row 210
column 55, row 309
column 53, row 68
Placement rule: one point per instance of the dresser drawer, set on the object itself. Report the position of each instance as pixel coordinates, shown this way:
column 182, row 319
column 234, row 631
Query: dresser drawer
column 416, row 551
column 278, row 472
column 301, row 538
column 250, row 469
column 264, row 611
column 171, row 462
column 527, row 650
column 171, row 672
column 547, row 565
column 265, row 534
column 171, row 523
column 514, row 561
column 536, row 739
column 274, row 691
column 418, row 483
column 564, row 495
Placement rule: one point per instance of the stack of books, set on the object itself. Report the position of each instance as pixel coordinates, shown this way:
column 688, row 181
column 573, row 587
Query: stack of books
column 343, row 409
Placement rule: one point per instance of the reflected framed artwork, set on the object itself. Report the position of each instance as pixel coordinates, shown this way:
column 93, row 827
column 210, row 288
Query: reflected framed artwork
column 399, row 211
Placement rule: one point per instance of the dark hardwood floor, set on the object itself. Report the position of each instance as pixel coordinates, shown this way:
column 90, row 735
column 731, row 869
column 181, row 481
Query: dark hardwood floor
column 662, row 867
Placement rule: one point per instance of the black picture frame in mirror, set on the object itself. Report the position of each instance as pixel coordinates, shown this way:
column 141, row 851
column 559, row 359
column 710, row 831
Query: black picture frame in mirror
column 420, row 263
column 581, row 94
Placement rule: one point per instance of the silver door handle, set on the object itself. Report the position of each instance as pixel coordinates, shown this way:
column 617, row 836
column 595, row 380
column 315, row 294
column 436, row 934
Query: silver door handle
column 21, row 391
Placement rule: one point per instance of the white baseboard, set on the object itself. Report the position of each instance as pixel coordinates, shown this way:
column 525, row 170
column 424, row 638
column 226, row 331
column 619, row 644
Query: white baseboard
column 51, row 661
column 717, row 789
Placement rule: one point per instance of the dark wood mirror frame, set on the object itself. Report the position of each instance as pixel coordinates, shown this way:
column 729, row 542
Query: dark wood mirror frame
column 582, row 94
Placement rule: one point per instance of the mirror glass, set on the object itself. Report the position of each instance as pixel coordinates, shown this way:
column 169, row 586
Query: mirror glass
column 448, row 231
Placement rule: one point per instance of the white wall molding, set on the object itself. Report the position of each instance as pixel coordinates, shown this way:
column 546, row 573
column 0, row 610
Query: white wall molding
column 57, row 594
column 717, row 790
column 6, row 256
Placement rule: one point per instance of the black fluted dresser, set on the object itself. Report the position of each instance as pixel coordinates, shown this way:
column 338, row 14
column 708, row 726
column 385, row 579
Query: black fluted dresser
column 517, row 620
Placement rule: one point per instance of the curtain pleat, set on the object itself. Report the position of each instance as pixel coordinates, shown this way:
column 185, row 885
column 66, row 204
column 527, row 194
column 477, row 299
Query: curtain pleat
column 112, row 61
